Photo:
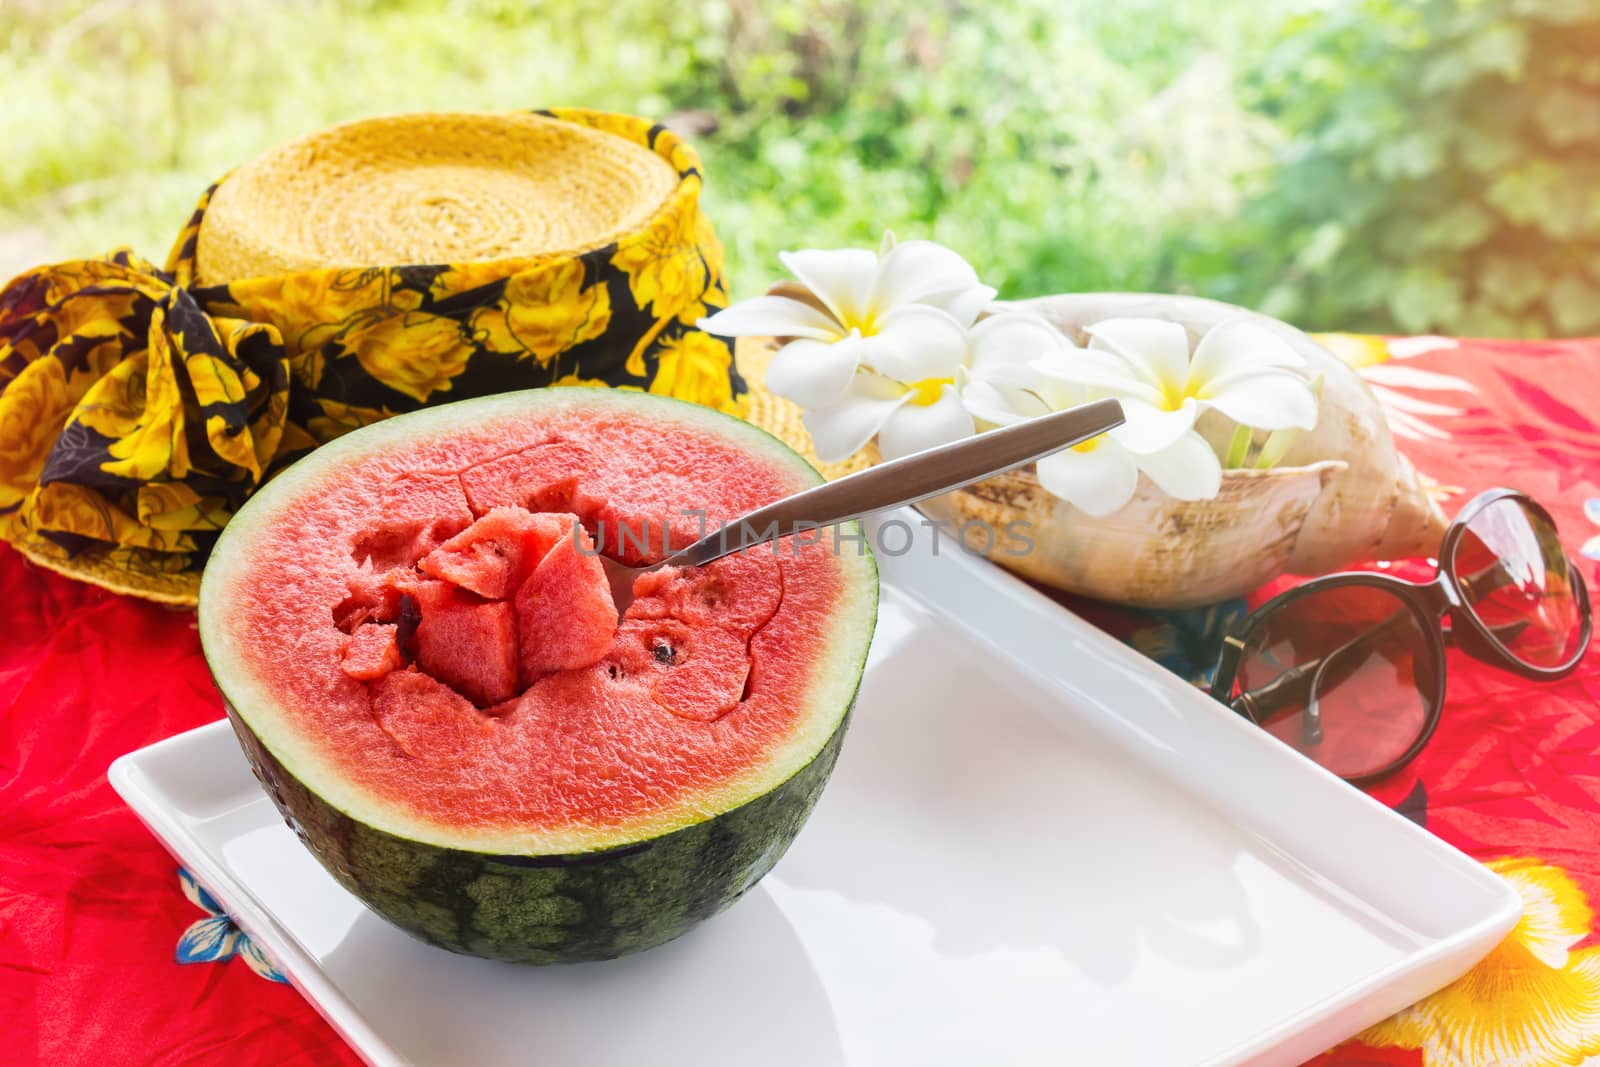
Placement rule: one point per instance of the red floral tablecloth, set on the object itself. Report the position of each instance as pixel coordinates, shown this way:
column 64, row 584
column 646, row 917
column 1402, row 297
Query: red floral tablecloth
column 94, row 919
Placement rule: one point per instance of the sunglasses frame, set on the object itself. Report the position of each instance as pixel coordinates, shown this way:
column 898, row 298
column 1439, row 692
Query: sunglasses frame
column 1430, row 602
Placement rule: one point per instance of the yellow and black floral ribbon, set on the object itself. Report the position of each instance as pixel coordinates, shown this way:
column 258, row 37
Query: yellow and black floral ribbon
column 138, row 410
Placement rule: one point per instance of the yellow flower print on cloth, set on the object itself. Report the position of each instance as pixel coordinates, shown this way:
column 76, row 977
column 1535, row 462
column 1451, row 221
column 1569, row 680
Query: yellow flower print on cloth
column 544, row 311
column 666, row 264
column 139, row 408
column 693, row 365
column 1532, row 1002
column 315, row 307
column 412, row 353
column 33, row 409
column 131, row 421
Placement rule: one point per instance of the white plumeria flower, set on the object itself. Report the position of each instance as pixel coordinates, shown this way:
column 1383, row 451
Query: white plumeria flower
column 876, row 350
column 1239, row 368
column 1017, row 373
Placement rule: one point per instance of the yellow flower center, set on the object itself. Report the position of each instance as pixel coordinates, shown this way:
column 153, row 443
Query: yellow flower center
column 866, row 324
column 928, row 391
column 1173, row 394
column 1087, row 446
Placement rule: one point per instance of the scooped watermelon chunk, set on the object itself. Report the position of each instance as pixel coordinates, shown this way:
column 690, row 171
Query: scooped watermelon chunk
column 565, row 614
column 495, row 555
column 471, row 647
column 426, row 718
column 373, row 652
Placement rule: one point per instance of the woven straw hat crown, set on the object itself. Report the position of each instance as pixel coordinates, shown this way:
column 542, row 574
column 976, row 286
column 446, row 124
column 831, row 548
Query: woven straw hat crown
column 429, row 188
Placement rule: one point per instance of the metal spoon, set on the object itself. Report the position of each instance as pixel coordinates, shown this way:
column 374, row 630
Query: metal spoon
column 887, row 485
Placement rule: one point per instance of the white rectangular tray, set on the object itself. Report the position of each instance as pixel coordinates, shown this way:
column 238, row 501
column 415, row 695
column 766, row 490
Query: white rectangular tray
column 1038, row 847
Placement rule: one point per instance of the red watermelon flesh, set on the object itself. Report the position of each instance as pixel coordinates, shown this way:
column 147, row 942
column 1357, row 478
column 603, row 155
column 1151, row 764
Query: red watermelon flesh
column 740, row 593
column 694, row 672
column 373, row 652
column 542, row 478
column 425, row 718
column 565, row 615
column 528, row 710
column 419, row 509
column 467, row 643
column 372, row 595
column 641, row 513
column 495, row 555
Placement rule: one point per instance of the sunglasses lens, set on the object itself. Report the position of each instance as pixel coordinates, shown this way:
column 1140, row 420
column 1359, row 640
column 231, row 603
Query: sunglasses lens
column 1514, row 577
column 1346, row 674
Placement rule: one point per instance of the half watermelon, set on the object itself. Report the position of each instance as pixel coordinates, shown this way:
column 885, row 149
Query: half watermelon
column 418, row 651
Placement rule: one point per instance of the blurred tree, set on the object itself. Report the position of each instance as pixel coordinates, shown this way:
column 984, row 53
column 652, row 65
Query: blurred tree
column 1373, row 164
column 1440, row 172
column 1030, row 134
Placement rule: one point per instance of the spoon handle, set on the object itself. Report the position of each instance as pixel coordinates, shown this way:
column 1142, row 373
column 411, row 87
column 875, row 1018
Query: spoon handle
column 906, row 480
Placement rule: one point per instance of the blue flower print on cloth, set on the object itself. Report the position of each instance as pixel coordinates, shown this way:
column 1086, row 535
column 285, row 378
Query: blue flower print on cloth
column 215, row 939
column 1188, row 641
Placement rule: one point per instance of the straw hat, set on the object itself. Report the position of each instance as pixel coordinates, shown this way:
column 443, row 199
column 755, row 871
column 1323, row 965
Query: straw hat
column 173, row 590
column 385, row 264
column 429, row 188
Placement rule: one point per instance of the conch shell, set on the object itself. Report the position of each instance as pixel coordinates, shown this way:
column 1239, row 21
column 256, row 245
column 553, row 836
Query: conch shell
column 1154, row 551
column 1341, row 495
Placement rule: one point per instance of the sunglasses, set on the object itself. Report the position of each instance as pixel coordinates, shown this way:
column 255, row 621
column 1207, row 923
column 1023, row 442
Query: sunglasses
column 1349, row 669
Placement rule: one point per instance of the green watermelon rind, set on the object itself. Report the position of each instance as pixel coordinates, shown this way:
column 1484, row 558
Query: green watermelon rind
column 572, row 908
column 545, row 907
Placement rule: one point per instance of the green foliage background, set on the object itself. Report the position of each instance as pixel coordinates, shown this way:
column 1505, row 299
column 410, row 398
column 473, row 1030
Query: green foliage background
column 1402, row 165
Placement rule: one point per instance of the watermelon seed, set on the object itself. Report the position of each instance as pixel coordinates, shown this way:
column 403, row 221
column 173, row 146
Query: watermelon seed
column 406, row 628
column 615, row 672
column 663, row 651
